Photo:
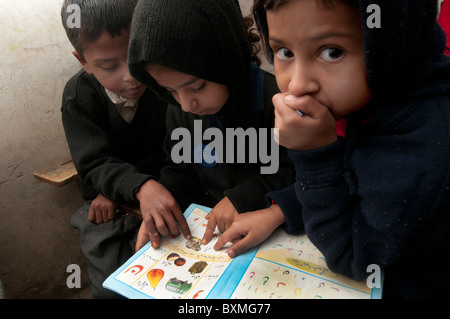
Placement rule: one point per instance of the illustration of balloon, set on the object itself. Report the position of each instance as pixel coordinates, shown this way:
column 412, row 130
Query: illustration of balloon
column 155, row 276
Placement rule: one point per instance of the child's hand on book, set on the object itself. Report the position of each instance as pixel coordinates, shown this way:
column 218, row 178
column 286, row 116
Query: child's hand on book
column 160, row 212
column 143, row 237
column 250, row 229
column 222, row 216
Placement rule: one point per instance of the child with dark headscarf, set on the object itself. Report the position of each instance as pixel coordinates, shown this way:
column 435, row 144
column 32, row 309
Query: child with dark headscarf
column 197, row 55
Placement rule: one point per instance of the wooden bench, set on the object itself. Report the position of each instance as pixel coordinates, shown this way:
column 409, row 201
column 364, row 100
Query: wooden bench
column 64, row 172
column 59, row 174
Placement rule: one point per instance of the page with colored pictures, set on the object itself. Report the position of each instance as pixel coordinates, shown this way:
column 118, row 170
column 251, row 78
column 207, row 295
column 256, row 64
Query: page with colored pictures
column 181, row 268
column 283, row 267
column 291, row 267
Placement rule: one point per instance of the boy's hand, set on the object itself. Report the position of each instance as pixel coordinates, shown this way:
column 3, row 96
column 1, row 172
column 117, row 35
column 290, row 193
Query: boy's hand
column 250, row 229
column 314, row 129
column 222, row 216
column 143, row 238
column 160, row 212
column 102, row 210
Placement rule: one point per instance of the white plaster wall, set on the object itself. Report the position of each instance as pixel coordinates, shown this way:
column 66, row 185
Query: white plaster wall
column 36, row 241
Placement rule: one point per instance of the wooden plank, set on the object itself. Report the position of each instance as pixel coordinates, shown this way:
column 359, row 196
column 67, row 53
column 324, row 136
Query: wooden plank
column 60, row 173
column 63, row 172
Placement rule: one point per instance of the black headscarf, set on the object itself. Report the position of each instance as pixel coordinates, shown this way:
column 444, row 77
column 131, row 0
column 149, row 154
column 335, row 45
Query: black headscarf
column 203, row 38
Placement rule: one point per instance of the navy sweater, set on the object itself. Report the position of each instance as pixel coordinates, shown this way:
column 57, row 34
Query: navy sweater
column 382, row 195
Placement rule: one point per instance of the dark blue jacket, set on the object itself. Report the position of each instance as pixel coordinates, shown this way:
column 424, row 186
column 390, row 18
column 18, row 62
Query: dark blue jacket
column 382, row 195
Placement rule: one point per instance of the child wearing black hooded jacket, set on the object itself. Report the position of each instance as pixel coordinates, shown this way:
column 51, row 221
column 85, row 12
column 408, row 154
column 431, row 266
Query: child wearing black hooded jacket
column 196, row 55
column 381, row 195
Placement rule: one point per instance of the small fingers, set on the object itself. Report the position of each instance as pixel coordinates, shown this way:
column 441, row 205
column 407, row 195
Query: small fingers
column 241, row 246
column 230, row 235
column 111, row 213
column 98, row 215
column 142, row 237
column 210, row 228
column 150, row 226
column 166, row 224
column 150, row 233
column 105, row 214
column 91, row 215
column 181, row 220
column 154, row 240
column 162, row 224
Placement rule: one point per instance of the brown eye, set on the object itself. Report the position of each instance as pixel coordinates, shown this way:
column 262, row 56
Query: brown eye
column 284, row 54
column 331, row 54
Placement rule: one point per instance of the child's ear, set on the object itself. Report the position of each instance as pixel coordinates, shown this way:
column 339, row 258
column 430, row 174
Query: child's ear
column 82, row 61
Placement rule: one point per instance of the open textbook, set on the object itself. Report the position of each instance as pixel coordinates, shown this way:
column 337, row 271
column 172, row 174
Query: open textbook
column 284, row 266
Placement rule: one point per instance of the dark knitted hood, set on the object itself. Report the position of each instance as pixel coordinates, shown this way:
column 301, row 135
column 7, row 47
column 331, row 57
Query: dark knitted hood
column 203, row 38
column 405, row 56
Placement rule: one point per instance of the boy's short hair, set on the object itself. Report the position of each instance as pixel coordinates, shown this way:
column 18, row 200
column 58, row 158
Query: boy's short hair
column 96, row 17
column 259, row 14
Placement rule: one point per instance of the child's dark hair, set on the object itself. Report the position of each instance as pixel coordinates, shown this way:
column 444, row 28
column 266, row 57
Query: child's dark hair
column 96, row 17
column 259, row 13
column 253, row 39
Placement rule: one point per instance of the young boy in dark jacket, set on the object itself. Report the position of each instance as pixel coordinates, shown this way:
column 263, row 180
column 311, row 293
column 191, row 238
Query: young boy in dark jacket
column 197, row 56
column 115, row 129
column 381, row 195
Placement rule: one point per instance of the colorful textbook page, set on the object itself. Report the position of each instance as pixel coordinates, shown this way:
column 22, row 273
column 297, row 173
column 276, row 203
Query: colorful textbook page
column 284, row 266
